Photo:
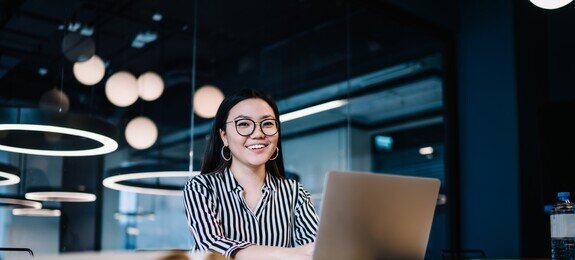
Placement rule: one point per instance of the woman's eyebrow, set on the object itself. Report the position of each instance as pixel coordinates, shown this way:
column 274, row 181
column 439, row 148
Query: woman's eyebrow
column 249, row 117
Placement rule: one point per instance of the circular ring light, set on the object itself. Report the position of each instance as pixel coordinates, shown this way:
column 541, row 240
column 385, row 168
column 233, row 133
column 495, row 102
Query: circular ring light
column 19, row 203
column 61, row 196
column 90, row 72
column 37, row 212
column 8, row 175
column 125, row 179
column 24, row 131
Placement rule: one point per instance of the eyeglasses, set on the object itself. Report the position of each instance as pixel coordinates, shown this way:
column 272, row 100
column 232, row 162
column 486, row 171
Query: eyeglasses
column 246, row 127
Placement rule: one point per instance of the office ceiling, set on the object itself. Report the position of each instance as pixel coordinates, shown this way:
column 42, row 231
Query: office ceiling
column 283, row 47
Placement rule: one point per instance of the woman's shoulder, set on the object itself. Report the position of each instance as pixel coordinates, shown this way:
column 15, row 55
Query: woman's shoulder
column 205, row 179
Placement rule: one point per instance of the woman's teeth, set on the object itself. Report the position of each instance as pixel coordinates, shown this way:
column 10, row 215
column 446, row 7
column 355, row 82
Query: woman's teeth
column 256, row 146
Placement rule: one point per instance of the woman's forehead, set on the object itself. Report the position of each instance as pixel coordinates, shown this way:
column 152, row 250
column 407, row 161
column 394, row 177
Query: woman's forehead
column 252, row 108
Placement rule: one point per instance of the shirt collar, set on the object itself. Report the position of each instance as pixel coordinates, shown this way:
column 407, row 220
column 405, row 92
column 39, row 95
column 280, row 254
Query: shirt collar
column 232, row 184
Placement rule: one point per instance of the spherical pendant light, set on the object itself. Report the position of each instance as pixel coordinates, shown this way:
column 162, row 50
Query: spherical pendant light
column 550, row 4
column 90, row 72
column 122, row 89
column 141, row 133
column 207, row 100
column 77, row 47
column 150, row 86
column 54, row 100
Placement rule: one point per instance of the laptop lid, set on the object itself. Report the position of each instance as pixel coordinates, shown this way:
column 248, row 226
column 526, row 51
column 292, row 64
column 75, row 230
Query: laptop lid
column 375, row 216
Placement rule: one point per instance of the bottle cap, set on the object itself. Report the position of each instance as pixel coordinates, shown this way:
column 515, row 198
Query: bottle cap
column 563, row 194
column 548, row 208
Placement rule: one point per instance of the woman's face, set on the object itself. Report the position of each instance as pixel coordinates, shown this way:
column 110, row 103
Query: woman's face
column 255, row 149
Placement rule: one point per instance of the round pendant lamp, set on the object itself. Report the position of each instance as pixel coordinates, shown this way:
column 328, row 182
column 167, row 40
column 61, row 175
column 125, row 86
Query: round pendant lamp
column 207, row 100
column 550, row 4
column 150, row 86
column 77, row 47
column 23, row 130
column 55, row 100
column 89, row 72
column 141, row 133
column 132, row 178
column 122, row 89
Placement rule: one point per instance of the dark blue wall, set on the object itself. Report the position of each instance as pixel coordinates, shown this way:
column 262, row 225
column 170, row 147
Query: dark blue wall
column 488, row 128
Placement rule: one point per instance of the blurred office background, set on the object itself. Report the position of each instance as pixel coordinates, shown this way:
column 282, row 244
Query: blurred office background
column 474, row 93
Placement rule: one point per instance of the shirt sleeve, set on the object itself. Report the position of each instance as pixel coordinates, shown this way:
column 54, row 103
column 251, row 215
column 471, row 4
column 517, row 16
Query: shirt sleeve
column 306, row 220
column 204, row 223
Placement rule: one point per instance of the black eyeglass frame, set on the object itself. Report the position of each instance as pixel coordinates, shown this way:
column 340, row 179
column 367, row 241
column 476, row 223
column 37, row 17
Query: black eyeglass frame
column 255, row 123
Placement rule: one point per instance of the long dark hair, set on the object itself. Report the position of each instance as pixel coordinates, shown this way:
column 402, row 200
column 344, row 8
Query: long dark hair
column 213, row 161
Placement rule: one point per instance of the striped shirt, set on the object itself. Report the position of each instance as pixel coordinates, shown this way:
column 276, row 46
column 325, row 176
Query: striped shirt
column 221, row 221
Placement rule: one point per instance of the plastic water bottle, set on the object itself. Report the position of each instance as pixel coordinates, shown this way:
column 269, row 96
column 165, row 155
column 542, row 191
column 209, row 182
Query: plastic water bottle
column 563, row 228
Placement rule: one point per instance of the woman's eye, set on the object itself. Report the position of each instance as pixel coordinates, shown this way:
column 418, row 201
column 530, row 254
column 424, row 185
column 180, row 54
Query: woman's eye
column 268, row 124
column 243, row 124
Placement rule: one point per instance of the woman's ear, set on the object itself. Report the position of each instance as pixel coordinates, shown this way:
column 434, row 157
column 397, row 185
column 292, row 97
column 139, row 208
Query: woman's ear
column 224, row 137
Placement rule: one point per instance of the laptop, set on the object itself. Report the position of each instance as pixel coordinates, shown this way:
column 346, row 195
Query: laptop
column 375, row 216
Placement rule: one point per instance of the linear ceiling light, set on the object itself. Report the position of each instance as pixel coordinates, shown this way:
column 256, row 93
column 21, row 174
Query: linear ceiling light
column 313, row 110
column 25, row 130
column 8, row 175
column 129, row 176
column 37, row 212
column 61, row 196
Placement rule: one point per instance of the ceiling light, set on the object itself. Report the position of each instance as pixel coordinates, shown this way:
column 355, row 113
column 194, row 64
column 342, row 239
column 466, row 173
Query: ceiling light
column 141, row 133
column 19, row 203
column 55, row 100
column 122, row 89
column 23, row 130
column 124, row 179
column 550, row 4
column 144, row 38
column 8, row 175
column 42, row 71
column 312, row 110
column 426, row 151
column 36, row 212
column 207, row 100
column 77, row 47
column 61, row 196
column 90, row 72
column 150, row 86
column 157, row 17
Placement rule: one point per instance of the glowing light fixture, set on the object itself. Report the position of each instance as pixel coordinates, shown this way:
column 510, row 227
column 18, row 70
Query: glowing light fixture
column 19, row 203
column 426, row 150
column 125, row 179
column 8, row 175
column 122, row 89
column 90, row 72
column 313, row 110
column 150, row 86
column 37, row 212
column 207, row 100
column 550, row 4
column 141, row 133
column 135, row 215
column 24, row 130
column 61, row 196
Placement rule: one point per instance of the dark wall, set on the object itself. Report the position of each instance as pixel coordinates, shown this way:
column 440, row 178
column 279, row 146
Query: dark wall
column 488, row 130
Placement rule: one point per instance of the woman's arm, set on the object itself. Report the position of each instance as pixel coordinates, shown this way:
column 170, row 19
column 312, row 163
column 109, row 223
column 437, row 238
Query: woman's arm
column 203, row 221
column 275, row 253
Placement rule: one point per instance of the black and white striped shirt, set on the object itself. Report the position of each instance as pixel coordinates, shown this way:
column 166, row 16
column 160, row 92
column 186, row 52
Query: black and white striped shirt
column 221, row 221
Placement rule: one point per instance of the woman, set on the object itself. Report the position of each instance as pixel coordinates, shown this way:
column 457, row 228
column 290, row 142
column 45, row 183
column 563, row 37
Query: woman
column 242, row 205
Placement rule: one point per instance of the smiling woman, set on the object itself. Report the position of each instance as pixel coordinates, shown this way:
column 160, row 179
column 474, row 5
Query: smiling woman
column 242, row 205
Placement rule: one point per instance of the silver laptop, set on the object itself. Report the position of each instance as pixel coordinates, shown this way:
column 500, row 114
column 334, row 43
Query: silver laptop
column 375, row 216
